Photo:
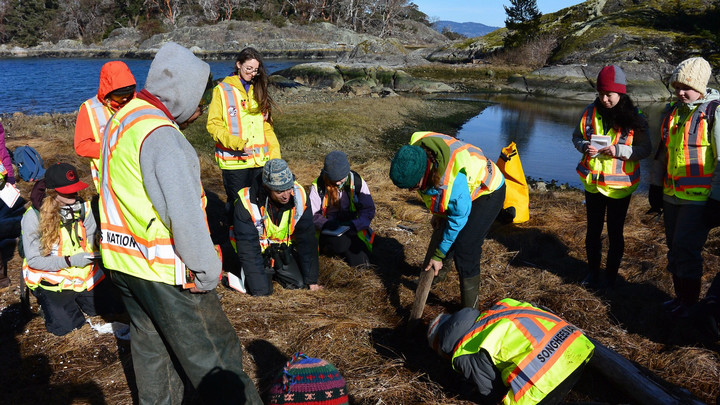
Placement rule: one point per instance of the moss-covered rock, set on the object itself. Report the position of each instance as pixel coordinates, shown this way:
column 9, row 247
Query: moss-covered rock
column 320, row 75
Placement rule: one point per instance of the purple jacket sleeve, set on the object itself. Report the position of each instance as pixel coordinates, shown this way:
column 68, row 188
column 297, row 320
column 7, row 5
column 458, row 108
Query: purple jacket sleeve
column 5, row 156
column 367, row 208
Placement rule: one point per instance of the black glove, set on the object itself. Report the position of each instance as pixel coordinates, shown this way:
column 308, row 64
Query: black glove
column 331, row 224
column 711, row 214
column 655, row 198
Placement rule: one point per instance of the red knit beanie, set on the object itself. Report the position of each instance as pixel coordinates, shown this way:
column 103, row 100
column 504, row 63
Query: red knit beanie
column 612, row 79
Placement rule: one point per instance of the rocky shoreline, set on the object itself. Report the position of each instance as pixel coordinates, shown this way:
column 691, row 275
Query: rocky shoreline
column 346, row 61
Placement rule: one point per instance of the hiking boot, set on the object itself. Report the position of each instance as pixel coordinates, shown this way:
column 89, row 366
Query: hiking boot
column 591, row 281
column 670, row 305
column 681, row 311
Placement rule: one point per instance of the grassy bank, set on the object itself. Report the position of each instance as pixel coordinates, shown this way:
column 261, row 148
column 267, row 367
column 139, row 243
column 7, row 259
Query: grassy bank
column 358, row 321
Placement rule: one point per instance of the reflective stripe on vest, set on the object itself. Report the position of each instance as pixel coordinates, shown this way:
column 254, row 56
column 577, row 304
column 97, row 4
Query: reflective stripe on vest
column 611, row 175
column 69, row 278
column 99, row 116
column 544, row 348
column 268, row 232
column 134, row 239
column 691, row 161
column 242, row 123
column 483, row 176
column 366, row 236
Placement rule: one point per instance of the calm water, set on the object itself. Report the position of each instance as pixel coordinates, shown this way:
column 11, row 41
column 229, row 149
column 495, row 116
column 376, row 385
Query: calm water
column 40, row 85
column 542, row 130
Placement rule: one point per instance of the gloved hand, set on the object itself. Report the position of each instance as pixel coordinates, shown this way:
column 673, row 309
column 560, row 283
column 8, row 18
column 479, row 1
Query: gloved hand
column 80, row 259
column 711, row 213
column 331, row 224
column 655, row 198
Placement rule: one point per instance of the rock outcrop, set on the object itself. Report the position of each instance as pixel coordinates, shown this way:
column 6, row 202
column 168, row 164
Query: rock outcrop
column 358, row 79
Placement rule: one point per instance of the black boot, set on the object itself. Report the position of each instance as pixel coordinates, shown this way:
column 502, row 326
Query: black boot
column 592, row 279
column 469, row 289
column 611, row 273
column 675, row 301
column 689, row 295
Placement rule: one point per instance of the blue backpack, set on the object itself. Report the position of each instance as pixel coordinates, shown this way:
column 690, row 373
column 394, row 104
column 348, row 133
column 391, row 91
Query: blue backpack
column 29, row 163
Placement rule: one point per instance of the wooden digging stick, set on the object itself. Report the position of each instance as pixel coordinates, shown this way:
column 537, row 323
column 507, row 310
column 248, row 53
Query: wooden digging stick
column 426, row 277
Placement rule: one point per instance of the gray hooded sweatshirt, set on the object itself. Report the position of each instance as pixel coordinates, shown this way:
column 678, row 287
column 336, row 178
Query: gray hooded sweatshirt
column 170, row 166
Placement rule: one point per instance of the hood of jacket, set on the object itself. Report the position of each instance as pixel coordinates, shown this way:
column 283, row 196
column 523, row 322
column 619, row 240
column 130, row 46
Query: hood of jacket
column 178, row 79
column 114, row 75
column 711, row 95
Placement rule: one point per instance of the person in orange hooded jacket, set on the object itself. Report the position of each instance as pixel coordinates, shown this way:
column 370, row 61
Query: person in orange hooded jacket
column 117, row 87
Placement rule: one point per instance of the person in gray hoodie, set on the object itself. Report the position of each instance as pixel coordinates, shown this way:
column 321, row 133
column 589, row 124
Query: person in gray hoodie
column 156, row 241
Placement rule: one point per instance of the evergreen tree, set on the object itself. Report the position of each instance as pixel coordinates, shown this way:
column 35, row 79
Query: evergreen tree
column 523, row 20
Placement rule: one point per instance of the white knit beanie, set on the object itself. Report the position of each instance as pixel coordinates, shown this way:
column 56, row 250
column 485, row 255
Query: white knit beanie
column 694, row 73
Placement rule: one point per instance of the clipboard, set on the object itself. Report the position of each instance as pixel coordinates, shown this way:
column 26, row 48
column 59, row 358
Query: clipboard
column 337, row 231
column 9, row 194
column 599, row 142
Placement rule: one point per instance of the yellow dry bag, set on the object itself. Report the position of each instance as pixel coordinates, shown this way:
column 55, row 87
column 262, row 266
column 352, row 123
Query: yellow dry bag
column 517, row 197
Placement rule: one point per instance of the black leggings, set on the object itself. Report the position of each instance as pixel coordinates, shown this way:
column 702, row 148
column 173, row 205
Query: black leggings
column 348, row 246
column 597, row 204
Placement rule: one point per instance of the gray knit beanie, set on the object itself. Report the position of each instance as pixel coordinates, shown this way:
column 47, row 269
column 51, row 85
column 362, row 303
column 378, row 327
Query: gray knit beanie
column 277, row 176
column 694, row 73
column 336, row 165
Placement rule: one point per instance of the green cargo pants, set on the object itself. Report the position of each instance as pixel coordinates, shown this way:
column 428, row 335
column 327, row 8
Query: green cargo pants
column 172, row 327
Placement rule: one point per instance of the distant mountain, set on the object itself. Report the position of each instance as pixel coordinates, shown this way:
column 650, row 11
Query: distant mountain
column 469, row 29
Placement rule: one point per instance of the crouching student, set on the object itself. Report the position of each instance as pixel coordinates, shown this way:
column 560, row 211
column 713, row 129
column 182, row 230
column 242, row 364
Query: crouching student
column 342, row 210
column 274, row 234
column 514, row 352
column 61, row 259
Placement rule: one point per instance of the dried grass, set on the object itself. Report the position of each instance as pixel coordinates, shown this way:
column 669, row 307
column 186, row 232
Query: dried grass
column 358, row 322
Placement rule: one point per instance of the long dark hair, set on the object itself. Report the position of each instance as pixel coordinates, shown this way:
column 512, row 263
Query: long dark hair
column 260, row 82
column 624, row 115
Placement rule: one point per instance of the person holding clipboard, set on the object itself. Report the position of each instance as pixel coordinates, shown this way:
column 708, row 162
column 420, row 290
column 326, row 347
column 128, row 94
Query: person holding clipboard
column 612, row 137
column 61, row 265
column 342, row 210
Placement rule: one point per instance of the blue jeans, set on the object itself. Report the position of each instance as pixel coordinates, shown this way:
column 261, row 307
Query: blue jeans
column 171, row 327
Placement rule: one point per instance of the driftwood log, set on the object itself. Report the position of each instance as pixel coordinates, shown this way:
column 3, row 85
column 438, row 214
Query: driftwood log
column 635, row 382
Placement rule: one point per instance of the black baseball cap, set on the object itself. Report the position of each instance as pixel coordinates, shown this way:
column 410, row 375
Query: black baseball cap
column 63, row 178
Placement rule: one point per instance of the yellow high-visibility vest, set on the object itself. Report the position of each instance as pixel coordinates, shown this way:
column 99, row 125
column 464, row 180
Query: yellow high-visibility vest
column 134, row 238
column 533, row 349
column 613, row 177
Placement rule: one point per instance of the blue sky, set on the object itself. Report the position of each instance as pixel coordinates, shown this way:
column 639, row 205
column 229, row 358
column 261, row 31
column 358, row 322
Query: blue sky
column 488, row 12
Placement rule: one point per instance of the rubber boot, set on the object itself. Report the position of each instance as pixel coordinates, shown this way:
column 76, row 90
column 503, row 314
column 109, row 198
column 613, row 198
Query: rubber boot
column 611, row 273
column 689, row 295
column 592, row 278
column 469, row 290
column 673, row 303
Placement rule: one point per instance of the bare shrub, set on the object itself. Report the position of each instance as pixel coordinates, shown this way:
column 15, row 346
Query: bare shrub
column 533, row 54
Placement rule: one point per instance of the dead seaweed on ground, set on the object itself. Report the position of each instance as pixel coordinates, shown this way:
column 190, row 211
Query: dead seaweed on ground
column 358, row 322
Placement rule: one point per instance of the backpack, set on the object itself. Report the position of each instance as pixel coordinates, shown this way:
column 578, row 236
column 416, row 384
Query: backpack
column 29, row 163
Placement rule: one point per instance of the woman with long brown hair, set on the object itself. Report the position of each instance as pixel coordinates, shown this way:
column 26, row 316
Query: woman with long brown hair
column 240, row 122
column 61, row 265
